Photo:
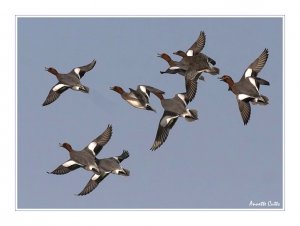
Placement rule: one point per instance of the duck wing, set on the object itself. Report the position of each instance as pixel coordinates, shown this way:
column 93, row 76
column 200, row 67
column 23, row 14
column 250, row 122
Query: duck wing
column 96, row 178
column 98, row 143
column 146, row 90
column 80, row 71
column 198, row 45
column 66, row 167
column 55, row 92
column 93, row 183
column 191, row 83
column 245, row 110
column 255, row 67
column 166, row 123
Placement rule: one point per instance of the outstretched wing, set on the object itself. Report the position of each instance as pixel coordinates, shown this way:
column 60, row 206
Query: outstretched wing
column 255, row 67
column 198, row 45
column 245, row 110
column 166, row 123
column 65, row 168
column 98, row 143
column 93, row 183
column 191, row 83
column 55, row 92
column 83, row 69
column 146, row 90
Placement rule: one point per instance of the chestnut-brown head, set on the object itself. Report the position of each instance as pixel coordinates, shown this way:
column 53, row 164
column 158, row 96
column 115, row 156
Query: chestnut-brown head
column 228, row 80
column 66, row 146
column 52, row 70
column 117, row 89
column 165, row 56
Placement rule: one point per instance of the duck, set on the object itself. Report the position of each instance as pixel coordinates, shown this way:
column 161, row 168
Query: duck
column 247, row 88
column 66, row 81
column 173, row 109
column 86, row 157
column 199, row 62
column 195, row 59
column 106, row 166
column 138, row 98
column 174, row 66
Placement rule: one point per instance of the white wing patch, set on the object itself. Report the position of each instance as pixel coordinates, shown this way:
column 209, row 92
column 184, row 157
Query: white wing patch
column 248, row 73
column 70, row 163
column 95, row 177
column 58, row 86
column 190, row 52
column 174, row 67
column 166, row 120
column 143, row 88
column 243, row 96
column 77, row 70
column 181, row 96
column 117, row 171
column 92, row 146
column 252, row 80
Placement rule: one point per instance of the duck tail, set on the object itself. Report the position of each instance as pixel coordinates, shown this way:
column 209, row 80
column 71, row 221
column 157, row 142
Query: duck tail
column 168, row 71
column 123, row 156
column 262, row 81
column 262, row 100
column 192, row 116
column 201, row 77
column 84, row 89
column 214, row 71
column 124, row 172
column 211, row 61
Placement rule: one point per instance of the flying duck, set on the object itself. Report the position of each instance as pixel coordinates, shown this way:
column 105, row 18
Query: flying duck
column 138, row 98
column 247, row 89
column 173, row 108
column 86, row 157
column 66, row 81
column 106, row 166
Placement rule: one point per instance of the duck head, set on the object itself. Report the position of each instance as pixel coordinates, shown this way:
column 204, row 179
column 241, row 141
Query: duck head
column 51, row 70
column 180, row 53
column 117, row 89
column 228, row 80
column 66, row 146
column 164, row 56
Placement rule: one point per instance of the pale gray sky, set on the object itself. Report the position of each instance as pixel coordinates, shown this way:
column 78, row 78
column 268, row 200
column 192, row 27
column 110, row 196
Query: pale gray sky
column 215, row 162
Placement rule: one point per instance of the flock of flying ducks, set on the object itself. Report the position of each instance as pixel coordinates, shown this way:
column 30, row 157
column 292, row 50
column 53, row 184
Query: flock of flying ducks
column 191, row 66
